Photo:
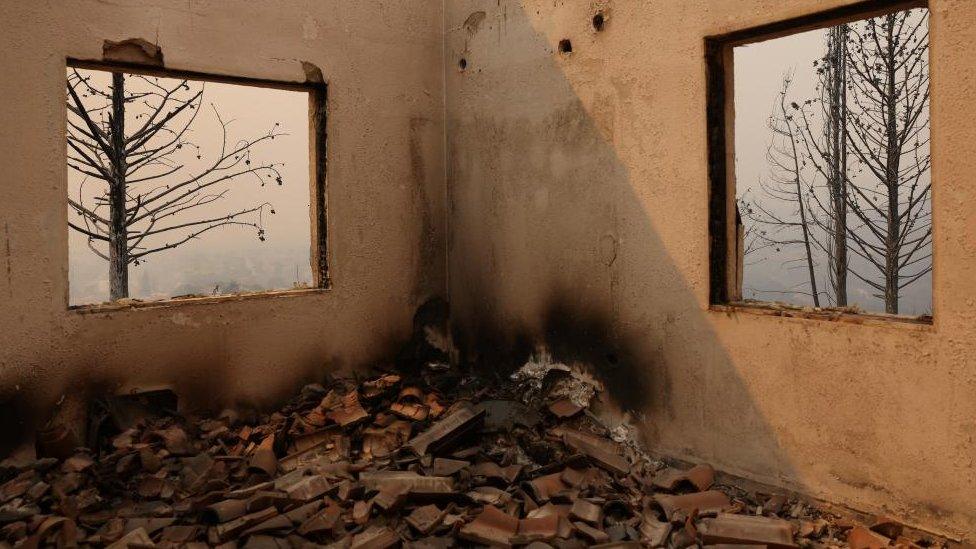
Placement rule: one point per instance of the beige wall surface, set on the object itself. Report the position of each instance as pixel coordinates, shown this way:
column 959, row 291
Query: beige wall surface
column 577, row 197
column 576, row 203
column 385, row 192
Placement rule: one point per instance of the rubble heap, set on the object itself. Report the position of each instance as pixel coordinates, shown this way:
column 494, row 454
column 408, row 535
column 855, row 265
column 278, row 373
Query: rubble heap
column 434, row 460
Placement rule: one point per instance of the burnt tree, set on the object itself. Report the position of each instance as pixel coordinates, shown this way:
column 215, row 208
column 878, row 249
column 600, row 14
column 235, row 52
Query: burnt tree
column 888, row 136
column 784, row 221
column 134, row 143
column 822, row 123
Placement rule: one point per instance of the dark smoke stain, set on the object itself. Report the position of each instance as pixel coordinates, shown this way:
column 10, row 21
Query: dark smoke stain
column 20, row 415
column 572, row 333
column 201, row 379
column 586, row 336
column 429, row 255
column 10, row 280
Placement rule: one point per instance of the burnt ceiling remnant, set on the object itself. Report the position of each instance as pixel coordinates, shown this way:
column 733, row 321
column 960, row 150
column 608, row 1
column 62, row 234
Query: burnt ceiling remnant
column 134, row 51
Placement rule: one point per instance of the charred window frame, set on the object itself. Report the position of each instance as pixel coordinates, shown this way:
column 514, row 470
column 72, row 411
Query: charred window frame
column 725, row 265
column 317, row 91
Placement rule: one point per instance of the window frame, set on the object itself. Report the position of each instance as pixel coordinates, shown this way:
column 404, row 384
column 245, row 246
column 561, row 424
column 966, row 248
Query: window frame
column 724, row 277
column 317, row 126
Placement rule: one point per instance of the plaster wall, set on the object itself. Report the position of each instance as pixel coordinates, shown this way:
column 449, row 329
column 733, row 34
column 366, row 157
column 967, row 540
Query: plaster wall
column 578, row 204
column 385, row 192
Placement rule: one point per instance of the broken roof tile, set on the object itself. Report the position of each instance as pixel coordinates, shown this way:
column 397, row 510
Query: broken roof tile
column 491, row 527
column 747, row 529
column 447, row 430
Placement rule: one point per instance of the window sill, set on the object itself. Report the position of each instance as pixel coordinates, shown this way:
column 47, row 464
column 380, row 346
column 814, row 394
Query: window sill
column 831, row 315
column 194, row 300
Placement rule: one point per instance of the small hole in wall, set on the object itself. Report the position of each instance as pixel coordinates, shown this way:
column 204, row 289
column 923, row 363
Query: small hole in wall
column 565, row 46
column 463, row 64
column 598, row 22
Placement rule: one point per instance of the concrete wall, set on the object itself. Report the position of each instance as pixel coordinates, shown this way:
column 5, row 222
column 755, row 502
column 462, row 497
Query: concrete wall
column 577, row 196
column 385, row 189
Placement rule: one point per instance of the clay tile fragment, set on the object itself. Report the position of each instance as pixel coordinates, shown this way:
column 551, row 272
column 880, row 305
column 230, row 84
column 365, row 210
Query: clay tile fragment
column 77, row 463
column 572, row 477
column 545, row 487
column 747, row 530
column 361, row 511
column 653, row 532
column 594, row 535
column 412, row 482
column 860, row 537
column 232, row 529
column 446, row 431
column 775, row 504
column 709, row 502
column 176, row 441
column 699, row 478
column 603, row 452
column 274, row 524
column 308, row 488
column 375, row 537
column 181, row 533
column 224, row 511
column 391, row 497
column 349, row 411
column 322, row 522
column 544, row 528
column 493, row 471
column 587, row 512
column 434, row 405
column 376, row 387
column 564, row 408
column 445, row 467
column 302, row 513
column 150, row 524
column 381, row 442
column 491, row 527
column 135, row 538
column 261, row 541
column 887, row 527
column 425, row 519
column 264, row 458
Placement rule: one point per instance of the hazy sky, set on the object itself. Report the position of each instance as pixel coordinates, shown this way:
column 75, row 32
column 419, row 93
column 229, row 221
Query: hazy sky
column 231, row 257
column 759, row 71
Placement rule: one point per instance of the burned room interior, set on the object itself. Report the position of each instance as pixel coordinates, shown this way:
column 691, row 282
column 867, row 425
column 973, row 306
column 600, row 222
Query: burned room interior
column 506, row 273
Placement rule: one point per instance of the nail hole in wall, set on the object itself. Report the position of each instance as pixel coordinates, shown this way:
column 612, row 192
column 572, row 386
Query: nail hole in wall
column 463, row 64
column 598, row 22
column 565, row 46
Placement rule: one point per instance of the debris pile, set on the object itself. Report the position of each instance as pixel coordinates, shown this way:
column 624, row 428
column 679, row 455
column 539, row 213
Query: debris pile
column 434, row 460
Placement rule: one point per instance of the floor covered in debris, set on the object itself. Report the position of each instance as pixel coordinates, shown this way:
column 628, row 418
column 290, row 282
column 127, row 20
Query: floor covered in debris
column 435, row 459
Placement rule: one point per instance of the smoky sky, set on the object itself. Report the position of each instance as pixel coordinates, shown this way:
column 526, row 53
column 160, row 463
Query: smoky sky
column 759, row 72
column 226, row 259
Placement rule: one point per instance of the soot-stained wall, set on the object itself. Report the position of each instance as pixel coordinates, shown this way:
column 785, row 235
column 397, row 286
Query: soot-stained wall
column 381, row 61
column 578, row 204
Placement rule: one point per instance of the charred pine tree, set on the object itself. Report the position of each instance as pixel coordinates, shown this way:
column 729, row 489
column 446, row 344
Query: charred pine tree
column 781, row 216
column 134, row 143
column 888, row 134
column 834, row 87
column 823, row 121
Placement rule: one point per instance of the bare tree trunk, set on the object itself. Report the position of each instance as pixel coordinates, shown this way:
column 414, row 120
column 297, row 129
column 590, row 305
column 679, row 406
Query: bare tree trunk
column 837, row 141
column 804, row 225
column 893, row 149
column 118, row 264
